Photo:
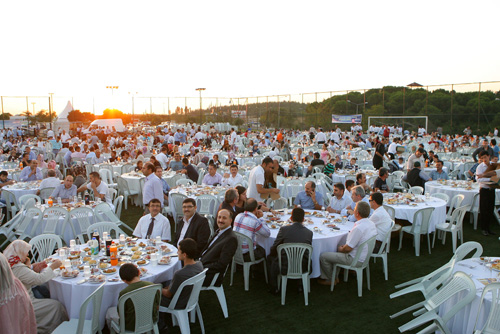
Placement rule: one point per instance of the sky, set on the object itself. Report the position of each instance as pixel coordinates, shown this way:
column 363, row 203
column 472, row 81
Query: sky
column 239, row 48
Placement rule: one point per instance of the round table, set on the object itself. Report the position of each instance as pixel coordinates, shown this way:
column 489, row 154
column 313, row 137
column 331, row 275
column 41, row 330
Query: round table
column 23, row 188
column 71, row 294
column 406, row 212
column 325, row 239
column 429, row 170
column 117, row 167
column 453, row 188
column 339, row 177
column 464, row 320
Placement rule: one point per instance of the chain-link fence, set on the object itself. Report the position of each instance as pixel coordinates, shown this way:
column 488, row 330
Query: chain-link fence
column 451, row 107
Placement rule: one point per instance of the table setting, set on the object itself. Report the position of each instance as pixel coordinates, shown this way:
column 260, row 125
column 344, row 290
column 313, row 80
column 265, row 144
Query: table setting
column 19, row 189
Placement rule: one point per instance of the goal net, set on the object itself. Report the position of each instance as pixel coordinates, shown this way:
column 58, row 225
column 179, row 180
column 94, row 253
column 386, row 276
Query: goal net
column 405, row 121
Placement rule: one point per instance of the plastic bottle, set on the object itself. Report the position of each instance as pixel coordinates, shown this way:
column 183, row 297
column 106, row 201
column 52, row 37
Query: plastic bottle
column 95, row 236
column 113, row 250
column 94, row 246
column 109, row 241
column 50, row 202
column 20, row 165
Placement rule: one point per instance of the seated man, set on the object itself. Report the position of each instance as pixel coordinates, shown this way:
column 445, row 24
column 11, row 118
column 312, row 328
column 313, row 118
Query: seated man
column 220, row 250
column 416, row 176
column 187, row 253
column 309, row 198
column 295, row 233
column 363, row 230
column 380, row 183
column 339, row 201
column 357, row 195
column 250, row 223
column 329, row 168
column 176, row 164
column 361, row 181
column 351, row 164
column 130, row 275
column 233, row 178
column 4, row 179
column 189, row 170
column 153, row 224
column 278, row 169
column 31, row 172
column 212, row 178
column 315, row 162
column 380, row 218
column 99, row 187
column 439, row 173
column 67, row 190
column 192, row 225
column 166, row 187
column 231, row 199
column 348, row 187
column 50, row 182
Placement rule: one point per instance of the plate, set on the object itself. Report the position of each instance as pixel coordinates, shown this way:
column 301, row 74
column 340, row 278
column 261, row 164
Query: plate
column 142, row 262
column 97, row 279
column 165, row 260
column 104, row 265
column 112, row 271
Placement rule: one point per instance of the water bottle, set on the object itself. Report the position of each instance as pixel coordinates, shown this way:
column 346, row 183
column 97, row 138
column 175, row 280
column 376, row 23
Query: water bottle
column 95, row 236
column 94, row 246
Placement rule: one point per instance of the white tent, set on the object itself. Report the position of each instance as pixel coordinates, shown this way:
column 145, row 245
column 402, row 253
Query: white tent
column 62, row 119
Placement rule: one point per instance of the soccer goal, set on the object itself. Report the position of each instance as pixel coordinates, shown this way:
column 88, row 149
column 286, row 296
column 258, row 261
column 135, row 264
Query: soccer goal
column 400, row 117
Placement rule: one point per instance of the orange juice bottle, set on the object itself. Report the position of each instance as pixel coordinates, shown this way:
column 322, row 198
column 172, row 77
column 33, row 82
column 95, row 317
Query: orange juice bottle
column 20, row 165
column 113, row 252
column 50, row 202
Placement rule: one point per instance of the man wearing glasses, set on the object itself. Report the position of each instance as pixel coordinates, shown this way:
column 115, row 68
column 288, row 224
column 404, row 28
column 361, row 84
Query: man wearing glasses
column 192, row 225
column 153, row 224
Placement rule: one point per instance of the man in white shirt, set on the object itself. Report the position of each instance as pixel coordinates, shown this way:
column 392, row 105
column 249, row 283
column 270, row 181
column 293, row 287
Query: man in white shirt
column 153, row 188
column 153, row 224
column 335, row 137
column 162, row 157
column 417, row 156
column 257, row 179
column 392, row 150
column 199, row 135
column 338, row 201
column 233, row 139
column 363, row 230
column 65, row 137
column 486, row 194
column 320, row 137
column 380, row 218
column 357, row 195
column 233, row 178
column 50, row 182
column 99, row 187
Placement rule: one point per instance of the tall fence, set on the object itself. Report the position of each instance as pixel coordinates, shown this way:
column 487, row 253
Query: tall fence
column 449, row 106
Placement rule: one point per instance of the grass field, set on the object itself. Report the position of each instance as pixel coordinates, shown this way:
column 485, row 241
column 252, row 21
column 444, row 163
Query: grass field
column 340, row 311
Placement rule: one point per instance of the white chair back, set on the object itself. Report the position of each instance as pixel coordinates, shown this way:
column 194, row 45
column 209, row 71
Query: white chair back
column 416, row 190
column 84, row 218
column 110, row 227
column 44, row 245
column 46, row 192
column 466, row 248
column 492, row 324
column 206, row 204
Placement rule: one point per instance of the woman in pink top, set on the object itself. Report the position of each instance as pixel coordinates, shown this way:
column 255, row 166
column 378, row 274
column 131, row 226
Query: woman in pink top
column 325, row 154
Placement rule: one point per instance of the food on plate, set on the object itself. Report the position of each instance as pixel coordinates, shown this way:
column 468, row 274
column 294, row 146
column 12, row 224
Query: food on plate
column 142, row 244
column 74, row 253
column 69, row 273
column 87, row 259
column 136, row 257
column 151, row 251
column 92, row 262
column 143, row 271
column 165, row 248
column 138, row 253
column 109, row 271
column 273, row 226
column 97, row 278
column 103, row 265
column 134, row 249
column 141, row 262
column 164, row 260
column 115, row 279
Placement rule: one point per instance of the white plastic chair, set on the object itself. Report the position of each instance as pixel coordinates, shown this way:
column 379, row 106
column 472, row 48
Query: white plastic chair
column 180, row 316
column 107, row 177
column 201, row 174
column 357, row 266
column 28, row 223
column 184, row 182
column 239, row 259
column 455, row 227
column 80, row 325
column 177, row 200
column 112, row 193
column 466, row 248
column 442, row 196
column 7, row 229
column 118, row 203
column 292, row 188
column 24, row 198
column 206, row 204
column 46, row 192
column 416, row 190
column 143, row 300
column 456, row 201
column 419, row 226
column 11, row 203
column 474, row 211
column 280, row 203
column 172, row 181
column 84, row 218
column 384, row 249
column 219, row 291
column 55, row 216
column 461, row 285
column 295, row 252
column 43, row 246
column 124, row 190
column 111, row 228
column 492, row 324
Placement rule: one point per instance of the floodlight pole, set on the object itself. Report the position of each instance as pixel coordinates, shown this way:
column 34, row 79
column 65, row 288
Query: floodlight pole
column 51, row 98
column 357, row 105
column 201, row 112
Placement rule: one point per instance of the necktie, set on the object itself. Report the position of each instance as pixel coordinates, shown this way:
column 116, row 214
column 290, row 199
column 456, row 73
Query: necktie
column 150, row 228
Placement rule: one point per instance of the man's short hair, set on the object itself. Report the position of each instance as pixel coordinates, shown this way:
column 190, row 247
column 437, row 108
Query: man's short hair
column 377, row 198
column 51, row 173
column 189, row 200
column 185, row 161
column 440, row 161
column 358, row 190
column 154, row 200
column 298, row 215
column 212, row 165
column 157, row 167
column 150, row 166
column 4, row 173
column 316, row 155
column 349, row 183
column 233, row 166
column 416, row 164
column 267, row 160
column 95, row 174
column 231, row 195
column 363, row 209
column 250, row 205
column 339, row 186
column 189, row 247
column 128, row 272
column 313, row 185
column 421, row 150
column 382, row 171
column 483, row 153
column 359, row 176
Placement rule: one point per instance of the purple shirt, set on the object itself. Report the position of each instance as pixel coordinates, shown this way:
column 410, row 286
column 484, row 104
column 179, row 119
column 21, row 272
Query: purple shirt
column 211, row 180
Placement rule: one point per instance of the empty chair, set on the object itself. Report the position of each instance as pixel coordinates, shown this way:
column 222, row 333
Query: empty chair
column 46, row 192
column 442, row 196
column 55, row 217
column 466, row 248
column 84, row 217
column 383, row 250
column 11, row 203
column 24, row 198
column 201, row 174
column 492, row 324
column 357, row 266
column 180, row 316
column 419, row 226
column 456, row 202
column 112, row 193
column 295, row 253
column 474, row 210
column 124, row 190
column 104, row 213
column 44, row 245
column 239, row 259
column 143, row 300
column 111, row 228
column 117, row 203
column 27, row 226
column 184, row 182
column 172, row 181
column 416, row 190
column 206, row 204
column 292, row 188
column 7, row 230
column 280, row 203
column 107, row 177
column 455, row 227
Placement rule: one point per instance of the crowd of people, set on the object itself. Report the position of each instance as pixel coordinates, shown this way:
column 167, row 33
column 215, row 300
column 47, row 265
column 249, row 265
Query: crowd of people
column 183, row 150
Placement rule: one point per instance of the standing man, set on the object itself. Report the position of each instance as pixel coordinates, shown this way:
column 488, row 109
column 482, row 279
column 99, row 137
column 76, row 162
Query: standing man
column 153, row 187
column 295, row 233
column 192, row 225
column 153, row 224
column 363, row 230
column 162, row 157
column 380, row 151
column 486, row 194
column 417, row 156
column 257, row 178
column 320, row 137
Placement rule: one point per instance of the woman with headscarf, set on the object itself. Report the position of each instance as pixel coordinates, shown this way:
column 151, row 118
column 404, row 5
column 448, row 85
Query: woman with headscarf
column 52, row 165
column 16, row 310
column 49, row 313
column 41, row 163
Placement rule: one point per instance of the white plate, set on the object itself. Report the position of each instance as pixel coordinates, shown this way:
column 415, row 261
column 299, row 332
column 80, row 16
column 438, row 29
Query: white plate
column 113, row 273
column 144, row 264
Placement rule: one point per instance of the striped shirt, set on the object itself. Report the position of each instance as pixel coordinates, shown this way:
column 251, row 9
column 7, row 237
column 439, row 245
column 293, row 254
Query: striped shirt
column 248, row 224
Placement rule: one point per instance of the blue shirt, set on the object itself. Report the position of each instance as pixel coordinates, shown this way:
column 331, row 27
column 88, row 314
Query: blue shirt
column 166, row 187
column 306, row 202
column 438, row 176
column 24, row 176
column 496, row 150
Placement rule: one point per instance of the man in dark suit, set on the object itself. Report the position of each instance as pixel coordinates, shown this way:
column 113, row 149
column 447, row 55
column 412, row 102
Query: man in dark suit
column 231, row 198
column 295, row 233
column 220, row 249
column 192, row 225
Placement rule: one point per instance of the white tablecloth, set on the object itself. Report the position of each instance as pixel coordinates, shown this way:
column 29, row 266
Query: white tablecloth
column 463, row 321
column 326, row 241
column 340, row 177
column 17, row 192
column 72, row 295
column 406, row 212
column 429, row 170
column 117, row 168
column 434, row 187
